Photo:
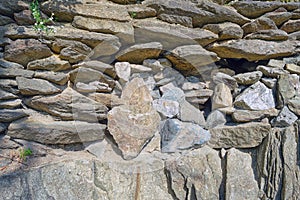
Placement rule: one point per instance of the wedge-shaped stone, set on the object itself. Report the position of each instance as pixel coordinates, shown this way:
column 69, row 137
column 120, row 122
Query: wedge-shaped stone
column 70, row 105
column 11, row 115
column 140, row 52
column 10, row 104
column 56, row 132
column 4, row 95
column 262, row 23
column 15, row 72
column 222, row 97
column 294, row 105
column 226, row 30
column 248, row 78
column 254, row 50
column 269, row 35
column 291, row 26
column 36, row 86
column 99, row 66
column 59, row 78
column 170, row 35
column 52, row 63
column 190, row 58
column 251, row 115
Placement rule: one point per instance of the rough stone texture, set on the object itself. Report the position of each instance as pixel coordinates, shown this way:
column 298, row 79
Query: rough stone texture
column 10, row 104
column 253, row 50
column 287, row 87
column 109, row 100
column 140, row 11
column 139, row 52
column 256, row 97
column 70, row 105
column 190, row 58
column 99, row 66
column 11, row 115
column 25, row 17
column 291, row 26
column 279, row 16
column 133, row 125
column 73, row 54
column 54, row 77
column 228, row 80
column 204, row 182
column 52, row 63
column 215, row 118
column 271, row 71
column 190, row 113
column 123, row 70
column 292, row 68
column 226, row 30
column 262, row 23
column 252, row 115
column 166, row 107
column 241, row 136
column 95, row 86
column 248, row 78
column 178, row 136
column 24, row 51
column 13, row 72
column 4, row 95
column 294, row 105
column 222, row 97
column 5, row 20
column 285, row 118
column 36, row 86
column 269, row 35
column 240, row 179
column 124, row 31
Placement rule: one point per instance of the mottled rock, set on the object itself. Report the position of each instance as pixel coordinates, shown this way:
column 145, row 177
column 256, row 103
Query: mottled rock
column 124, row 31
column 11, row 115
column 74, row 54
column 259, row 24
column 269, row 35
column 25, row 17
column 166, row 107
column 193, row 86
column 240, row 178
column 226, row 30
column 222, row 97
column 24, row 51
column 292, row 68
column 169, row 75
column 6, row 64
column 253, row 50
column 252, row 115
column 287, row 87
column 205, row 163
column 123, row 70
column 170, row 35
column 256, row 97
column 139, row 52
column 140, row 11
column 248, row 78
column 228, row 80
column 70, row 105
column 190, row 58
column 291, row 26
column 285, row 118
column 59, row 78
column 56, row 132
column 276, row 63
column 271, row 71
column 198, row 96
column 133, row 125
column 36, row 86
column 10, row 86
column 215, row 118
column 246, row 135
column 10, row 104
column 10, row 7
column 109, row 100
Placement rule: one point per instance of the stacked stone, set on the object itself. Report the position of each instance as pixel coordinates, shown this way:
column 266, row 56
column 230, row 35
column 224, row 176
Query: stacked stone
column 206, row 96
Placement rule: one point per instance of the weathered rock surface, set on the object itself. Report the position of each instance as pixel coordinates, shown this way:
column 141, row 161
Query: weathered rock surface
column 59, row 78
column 252, row 115
column 294, row 105
column 248, row 78
column 228, row 80
column 36, row 86
column 288, row 86
column 24, row 51
column 253, row 50
column 11, row 115
column 292, row 68
column 222, row 97
column 5, row 20
column 285, row 118
column 279, row 16
column 256, row 97
column 13, row 72
column 70, row 105
column 140, row 11
column 25, row 17
column 291, row 26
column 269, row 35
column 11, row 104
column 4, row 95
column 271, row 71
column 226, row 30
column 97, row 65
column 109, row 100
column 52, row 63
column 262, row 23
column 241, row 136
column 240, row 179
column 215, row 118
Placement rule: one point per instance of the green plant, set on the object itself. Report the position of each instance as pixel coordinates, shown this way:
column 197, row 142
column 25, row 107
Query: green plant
column 133, row 14
column 24, row 153
column 40, row 24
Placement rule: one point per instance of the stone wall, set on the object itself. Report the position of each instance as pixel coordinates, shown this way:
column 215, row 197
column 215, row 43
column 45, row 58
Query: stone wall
column 160, row 100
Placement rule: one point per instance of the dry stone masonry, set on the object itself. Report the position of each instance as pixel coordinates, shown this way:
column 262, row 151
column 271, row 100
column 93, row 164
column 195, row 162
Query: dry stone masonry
column 150, row 100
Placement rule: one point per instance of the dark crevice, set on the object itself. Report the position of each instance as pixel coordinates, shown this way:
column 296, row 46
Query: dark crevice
column 169, row 184
column 222, row 189
column 193, row 193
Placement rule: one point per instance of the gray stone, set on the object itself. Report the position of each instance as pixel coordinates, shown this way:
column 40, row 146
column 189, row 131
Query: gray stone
column 193, row 86
column 190, row 58
column 52, row 63
column 4, row 95
column 10, row 86
column 166, row 107
column 279, row 16
column 176, row 19
column 10, row 104
column 15, row 72
column 252, row 115
column 240, row 178
column 294, row 105
column 140, row 52
column 124, row 31
column 285, row 118
column 259, row 24
column 292, row 68
column 291, row 26
column 226, row 30
column 276, row 63
column 24, row 51
column 228, row 80
column 58, row 44
column 59, row 78
column 11, row 115
column 6, row 64
column 109, row 100
column 169, row 75
column 70, row 105
column 222, row 97
column 256, row 97
column 73, row 54
column 9, row 7
column 94, row 86
column 5, row 20
column 215, row 118
column 246, row 135
column 99, row 66
column 123, row 70
column 140, row 11
column 178, row 136
column 190, row 113
column 253, row 50
column 139, row 69
column 287, row 87
column 269, row 82
column 186, row 170
column 36, row 86
column 25, row 17
column 198, row 96
column 56, row 132
column 271, row 72
column 248, row 78
column 269, row 35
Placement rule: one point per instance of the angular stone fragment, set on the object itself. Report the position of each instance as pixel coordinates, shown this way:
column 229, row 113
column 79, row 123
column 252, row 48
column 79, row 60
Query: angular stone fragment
column 70, row 105
column 222, row 97
column 248, row 78
column 56, row 132
column 10, row 86
column 215, row 118
column 36, row 86
column 240, row 179
column 140, row 11
column 54, row 77
column 109, row 100
column 24, row 51
column 167, row 107
column 269, row 35
column 271, row 71
column 99, row 66
column 5, row 20
column 256, row 97
column 259, row 24
column 94, row 86
column 123, row 70
column 4, row 95
column 254, row 50
column 291, row 26
column 140, row 52
column 288, row 86
column 190, row 58
column 205, row 163
column 10, row 104
column 294, row 105
column 285, row 118
column 251, row 115
column 246, row 135
column 226, row 30
column 15, row 72
column 190, row 113
column 292, row 68
column 133, row 125
column 6, row 64
column 11, row 115
column 279, row 16
column 228, row 80
column 124, row 31
column 52, row 63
